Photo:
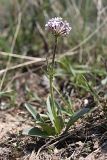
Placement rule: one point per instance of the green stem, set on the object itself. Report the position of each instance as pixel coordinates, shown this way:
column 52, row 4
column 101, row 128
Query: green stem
column 52, row 70
column 54, row 51
column 51, row 89
column 51, row 78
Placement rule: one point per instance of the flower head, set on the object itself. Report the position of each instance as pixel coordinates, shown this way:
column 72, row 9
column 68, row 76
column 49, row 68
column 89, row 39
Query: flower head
column 58, row 27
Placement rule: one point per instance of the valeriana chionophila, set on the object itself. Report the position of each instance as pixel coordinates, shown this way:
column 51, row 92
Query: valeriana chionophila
column 58, row 27
column 52, row 123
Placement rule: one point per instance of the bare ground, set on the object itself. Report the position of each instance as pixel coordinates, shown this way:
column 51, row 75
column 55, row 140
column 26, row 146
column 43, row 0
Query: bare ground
column 87, row 140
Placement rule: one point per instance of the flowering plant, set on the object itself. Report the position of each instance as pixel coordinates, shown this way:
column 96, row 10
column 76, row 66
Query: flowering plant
column 53, row 122
column 58, row 27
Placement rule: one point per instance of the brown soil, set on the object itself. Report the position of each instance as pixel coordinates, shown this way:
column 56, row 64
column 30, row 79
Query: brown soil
column 87, row 140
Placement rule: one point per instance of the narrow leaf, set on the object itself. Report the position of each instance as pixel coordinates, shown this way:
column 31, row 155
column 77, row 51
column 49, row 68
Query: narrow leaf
column 76, row 116
column 50, row 113
column 33, row 112
column 35, row 132
column 49, row 129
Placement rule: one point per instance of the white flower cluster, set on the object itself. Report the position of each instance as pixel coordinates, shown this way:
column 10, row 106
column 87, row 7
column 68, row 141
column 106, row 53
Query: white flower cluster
column 58, row 27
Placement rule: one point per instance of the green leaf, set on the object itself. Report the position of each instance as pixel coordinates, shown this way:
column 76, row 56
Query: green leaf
column 48, row 128
column 6, row 93
column 53, row 113
column 33, row 112
column 50, row 112
column 76, row 116
column 59, row 123
column 35, row 132
column 68, row 109
column 90, row 88
column 59, row 116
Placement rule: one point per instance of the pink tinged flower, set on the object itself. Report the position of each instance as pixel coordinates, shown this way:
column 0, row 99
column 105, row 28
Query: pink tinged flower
column 58, row 27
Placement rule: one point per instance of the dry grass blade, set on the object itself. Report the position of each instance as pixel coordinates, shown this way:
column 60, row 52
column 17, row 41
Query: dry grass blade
column 38, row 61
column 32, row 156
column 12, row 48
column 19, row 56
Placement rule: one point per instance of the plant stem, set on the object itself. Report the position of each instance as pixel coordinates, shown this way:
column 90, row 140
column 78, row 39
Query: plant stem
column 52, row 70
column 51, row 89
column 54, row 51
